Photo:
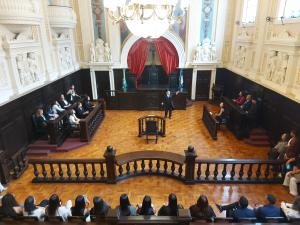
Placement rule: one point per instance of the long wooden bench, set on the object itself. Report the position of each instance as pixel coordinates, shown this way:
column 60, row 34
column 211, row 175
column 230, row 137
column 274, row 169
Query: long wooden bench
column 210, row 122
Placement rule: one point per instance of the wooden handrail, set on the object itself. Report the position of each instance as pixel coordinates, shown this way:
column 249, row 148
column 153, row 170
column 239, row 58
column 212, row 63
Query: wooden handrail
column 210, row 122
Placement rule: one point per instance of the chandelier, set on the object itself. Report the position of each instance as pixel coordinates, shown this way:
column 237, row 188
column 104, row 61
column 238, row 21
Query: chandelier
column 147, row 18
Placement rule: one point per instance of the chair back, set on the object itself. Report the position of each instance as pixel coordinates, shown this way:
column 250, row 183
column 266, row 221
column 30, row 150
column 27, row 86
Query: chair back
column 151, row 127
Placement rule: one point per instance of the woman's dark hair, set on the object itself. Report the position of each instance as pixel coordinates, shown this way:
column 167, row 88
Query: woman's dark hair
column 202, row 202
column 243, row 202
column 173, row 204
column 124, row 205
column 54, row 203
column 100, row 208
column 78, row 209
column 29, row 205
column 8, row 202
column 296, row 204
column 146, row 208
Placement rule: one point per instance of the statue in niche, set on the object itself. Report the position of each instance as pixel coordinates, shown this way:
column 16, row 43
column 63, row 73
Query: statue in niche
column 92, row 53
column 99, row 50
column 107, row 53
column 21, row 68
column 282, row 68
column 271, row 66
column 197, row 53
column 33, row 66
column 206, row 50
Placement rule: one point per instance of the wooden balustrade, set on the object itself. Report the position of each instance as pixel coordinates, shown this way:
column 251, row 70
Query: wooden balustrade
column 58, row 129
column 89, row 125
column 186, row 168
column 161, row 122
column 210, row 122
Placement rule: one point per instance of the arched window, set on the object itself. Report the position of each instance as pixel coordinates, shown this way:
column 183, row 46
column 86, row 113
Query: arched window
column 289, row 9
column 249, row 11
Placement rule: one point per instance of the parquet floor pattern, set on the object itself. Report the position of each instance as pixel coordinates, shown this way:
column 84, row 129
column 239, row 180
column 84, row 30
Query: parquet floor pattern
column 119, row 129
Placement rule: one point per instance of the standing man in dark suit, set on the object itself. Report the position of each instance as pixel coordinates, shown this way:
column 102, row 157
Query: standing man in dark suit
column 168, row 103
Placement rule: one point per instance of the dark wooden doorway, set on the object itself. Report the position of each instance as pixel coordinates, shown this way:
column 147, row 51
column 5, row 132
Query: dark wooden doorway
column 103, row 84
column 203, row 85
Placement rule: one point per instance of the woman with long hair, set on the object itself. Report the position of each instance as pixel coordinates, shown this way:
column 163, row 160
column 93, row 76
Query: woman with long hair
column 202, row 209
column 172, row 208
column 56, row 209
column 147, row 207
column 80, row 207
column 125, row 208
column 100, row 207
column 31, row 209
column 10, row 206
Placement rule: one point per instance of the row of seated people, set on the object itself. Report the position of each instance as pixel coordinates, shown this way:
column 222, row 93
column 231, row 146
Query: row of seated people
column 246, row 102
column 77, row 108
column 53, row 207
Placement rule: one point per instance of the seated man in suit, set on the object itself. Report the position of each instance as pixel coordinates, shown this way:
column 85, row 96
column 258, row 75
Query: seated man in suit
column 40, row 122
column 51, row 114
column 72, row 96
column 247, row 104
column 168, row 103
column 238, row 209
column 269, row 209
column 80, row 112
column 63, row 102
column 87, row 104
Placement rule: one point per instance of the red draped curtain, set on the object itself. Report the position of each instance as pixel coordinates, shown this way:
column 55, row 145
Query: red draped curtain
column 137, row 57
column 167, row 54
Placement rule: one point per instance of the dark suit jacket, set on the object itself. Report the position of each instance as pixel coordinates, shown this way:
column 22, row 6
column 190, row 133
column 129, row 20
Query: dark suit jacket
column 246, row 106
column 168, row 102
column 268, row 211
column 243, row 213
column 41, row 125
column 80, row 113
column 63, row 104
column 87, row 105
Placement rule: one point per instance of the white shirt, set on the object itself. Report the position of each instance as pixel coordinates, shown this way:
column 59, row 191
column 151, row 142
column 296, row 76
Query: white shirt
column 57, row 108
column 39, row 213
column 73, row 120
column 288, row 211
column 64, row 211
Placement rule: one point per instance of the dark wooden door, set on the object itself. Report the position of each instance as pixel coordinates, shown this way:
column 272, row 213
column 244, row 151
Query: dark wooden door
column 102, row 80
column 203, row 85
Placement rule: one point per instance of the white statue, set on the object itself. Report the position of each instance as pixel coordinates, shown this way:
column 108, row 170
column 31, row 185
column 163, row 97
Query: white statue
column 92, row 53
column 107, row 53
column 282, row 67
column 271, row 66
column 213, row 52
column 206, row 50
column 197, row 53
column 99, row 50
column 21, row 68
column 33, row 66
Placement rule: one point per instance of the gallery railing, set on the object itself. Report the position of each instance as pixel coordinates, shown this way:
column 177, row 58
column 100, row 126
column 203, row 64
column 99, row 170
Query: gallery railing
column 186, row 168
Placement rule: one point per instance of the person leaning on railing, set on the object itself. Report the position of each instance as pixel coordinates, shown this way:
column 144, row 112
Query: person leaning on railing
column 146, row 209
column 31, row 209
column 293, row 177
column 55, row 208
column 100, row 207
column 202, row 210
column 81, row 208
column 125, row 208
column 170, row 209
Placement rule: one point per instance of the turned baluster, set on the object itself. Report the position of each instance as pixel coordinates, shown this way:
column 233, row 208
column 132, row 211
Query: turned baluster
column 94, row 173
column 52, row 172
column 60, row 171
column 199, row 171
column 258, row 171
column 128, row 168
column 207, row 172
column 77, row 172
column 35, row 171
column 180, row 170
column 120, row 170
column 224, row 172
column 143, row 166
column 101, row 169
column 135, row 166
column 44, row 171
column 267, row 172
column 216, row 171
column 232, row 172
column 157, row 166
column 165, row 166
column 241, row 172
column 249, row 173
column 85, row 171
column 69, row 172
column 172, row 168
column 150, row 166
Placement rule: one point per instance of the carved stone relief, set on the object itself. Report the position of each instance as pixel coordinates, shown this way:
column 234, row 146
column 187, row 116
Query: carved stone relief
column 3, row 80
column 100, row 52
column 65, row 58
column 206, row 52
column 240, row 56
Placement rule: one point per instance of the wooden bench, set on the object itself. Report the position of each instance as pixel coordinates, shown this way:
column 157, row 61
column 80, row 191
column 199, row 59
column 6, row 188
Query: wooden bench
column 210, row 122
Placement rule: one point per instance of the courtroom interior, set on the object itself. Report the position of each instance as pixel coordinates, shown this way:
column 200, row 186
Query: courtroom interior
column 178, row 112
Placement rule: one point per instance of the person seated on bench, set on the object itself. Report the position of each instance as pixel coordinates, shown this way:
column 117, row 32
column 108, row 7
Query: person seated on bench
column 80, row 208
column 240, row 99
column 238, row 209
column 125, row 208
column 247, row 104
column 269, row 209
column 146, row 209
column 73, row 120
column 202, row 210
column 56, row 108
column 278, row 151
column 51, row 115
column 87, row 104
column 293, row 146
column 220, row 116
column 100, row 207
column 31, row 209
column 72, row 96
column 293, row 177
column 291, row 211
column 63, row 102
column 80, row 111
column 40, row 122
column 56, row 209
column 170, row 209
column 10, row 207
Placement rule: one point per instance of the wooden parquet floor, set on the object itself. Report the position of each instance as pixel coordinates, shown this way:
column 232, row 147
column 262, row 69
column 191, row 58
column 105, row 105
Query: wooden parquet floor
column 119, row 129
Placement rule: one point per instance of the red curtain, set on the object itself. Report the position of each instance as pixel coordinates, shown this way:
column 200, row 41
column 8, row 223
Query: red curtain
column 167, row 54
column 137, row 57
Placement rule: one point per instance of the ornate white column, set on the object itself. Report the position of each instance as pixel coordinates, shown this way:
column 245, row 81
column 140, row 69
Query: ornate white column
column 94, row 84
column 194, row 83
column 212, row 81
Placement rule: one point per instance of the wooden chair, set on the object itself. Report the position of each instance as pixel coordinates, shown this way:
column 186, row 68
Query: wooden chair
column 151, row 129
